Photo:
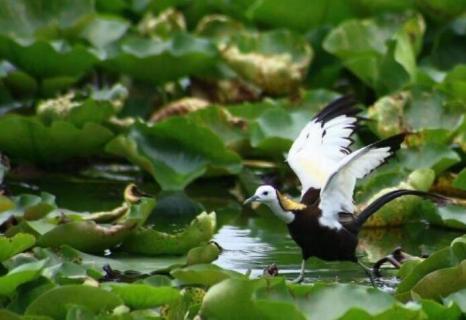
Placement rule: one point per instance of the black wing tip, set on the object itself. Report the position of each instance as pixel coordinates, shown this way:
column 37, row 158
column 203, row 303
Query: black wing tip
column 345, row 105
column 393, row 142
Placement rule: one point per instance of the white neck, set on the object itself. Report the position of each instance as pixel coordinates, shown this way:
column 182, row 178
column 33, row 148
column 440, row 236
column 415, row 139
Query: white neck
column 278, row 211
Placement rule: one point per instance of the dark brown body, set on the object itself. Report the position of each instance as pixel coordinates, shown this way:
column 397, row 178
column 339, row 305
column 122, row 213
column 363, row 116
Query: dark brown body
column 325, row 243
column 319, row 241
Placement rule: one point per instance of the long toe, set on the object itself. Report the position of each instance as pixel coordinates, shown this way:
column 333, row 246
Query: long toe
column 298, row 280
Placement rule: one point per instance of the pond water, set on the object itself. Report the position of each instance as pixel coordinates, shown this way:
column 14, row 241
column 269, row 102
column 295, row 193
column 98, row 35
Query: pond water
column 251, row 239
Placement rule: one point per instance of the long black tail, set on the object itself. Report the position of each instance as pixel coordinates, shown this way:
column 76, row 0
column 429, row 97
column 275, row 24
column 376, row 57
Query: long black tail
column 381, row 201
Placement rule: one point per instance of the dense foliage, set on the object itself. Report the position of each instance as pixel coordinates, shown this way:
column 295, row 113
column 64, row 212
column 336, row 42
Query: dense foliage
column 195, row 90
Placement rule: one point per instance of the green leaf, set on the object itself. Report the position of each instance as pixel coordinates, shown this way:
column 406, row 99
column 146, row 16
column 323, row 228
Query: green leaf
column 146, row 59
column 275, row 130
column 175, row 152
column 404, row 209
column 143, row 296
column 460, row 180
column 18, row 243
column 440, row 283
column 28, row 206
column 203, row 274
column 66, row 108
column 276, row 61
column 434, row 310
column 58, row 58
column 454, row 84
column 236, row 299
column 203, row 254
column 124, row 262
column 459, row 298
column 152, row 242
column 442, row 10
column 103, row 30
column 8, row 315
column 380, row 51
column 319, row 300
column 20, row 275
column 27, row 139
column 451, row 216
column 441, row 265
column 86, row 235
column 438, row 157
column 54, row 302
column 299, row 14
column 24, row 19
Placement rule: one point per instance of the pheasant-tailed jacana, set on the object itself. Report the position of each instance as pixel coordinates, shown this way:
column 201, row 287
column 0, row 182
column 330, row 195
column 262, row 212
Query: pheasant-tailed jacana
column 322, row 223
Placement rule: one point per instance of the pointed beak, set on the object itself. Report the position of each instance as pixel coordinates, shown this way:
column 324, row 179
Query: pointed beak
column 249, row 200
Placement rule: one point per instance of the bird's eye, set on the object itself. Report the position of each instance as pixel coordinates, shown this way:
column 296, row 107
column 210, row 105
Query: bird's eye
column 265, row 193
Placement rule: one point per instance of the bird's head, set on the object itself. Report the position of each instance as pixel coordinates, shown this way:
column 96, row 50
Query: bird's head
column 264, row 194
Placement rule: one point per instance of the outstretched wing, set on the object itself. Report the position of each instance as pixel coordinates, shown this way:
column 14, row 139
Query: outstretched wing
column 323, row 143
column 337, row 194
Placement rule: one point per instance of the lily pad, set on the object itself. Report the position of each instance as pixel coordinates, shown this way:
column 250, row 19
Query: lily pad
column 27, row 206
column 299, row 14
column 460, row 180
column 146, row 59
column 275, row 130
column 407, row 208
column 53, row 303
column 276, row 61
column 86, row 235
column 318, row 300
column 19, row 275
column 440, row 264
column 379, row 51
column 175, row 152
column 143, row 296
column 152, row 242
column 235, row 298
column 203, row 274
column 67, row 108
column 18, row 243
column 124, row 262
column 28, row 139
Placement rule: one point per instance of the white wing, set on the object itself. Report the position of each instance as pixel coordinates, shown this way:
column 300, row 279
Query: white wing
column 323, row 143
column 337, row 194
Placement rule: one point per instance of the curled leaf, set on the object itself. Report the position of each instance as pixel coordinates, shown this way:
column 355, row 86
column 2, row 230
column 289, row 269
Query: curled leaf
column 86, row 235
column 152, row 242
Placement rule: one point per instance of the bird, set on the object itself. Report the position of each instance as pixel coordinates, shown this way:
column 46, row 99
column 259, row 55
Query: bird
column 324, row 223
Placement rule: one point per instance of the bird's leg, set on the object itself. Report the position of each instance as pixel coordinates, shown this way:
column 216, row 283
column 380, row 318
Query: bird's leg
column 300, row 278
column 369, row 273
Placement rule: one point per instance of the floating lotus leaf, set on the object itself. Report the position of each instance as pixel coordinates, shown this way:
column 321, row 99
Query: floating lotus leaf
column 146, row 59
column 203, row 274
column 175, row 152
column 54, row 303
column 86, row 235
column 27, row 206
column 406, row 208
column 143, row 296
column 203, row 254
column 103, row 30
column 164, row 25
column 379, row 51
column 276, row 61
column 16, row 244
column 20, row 275
column 460, row 180
column 152, row 242
column 299, row 14
column 28, row 139
column 66, row 108
column 442, row 270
